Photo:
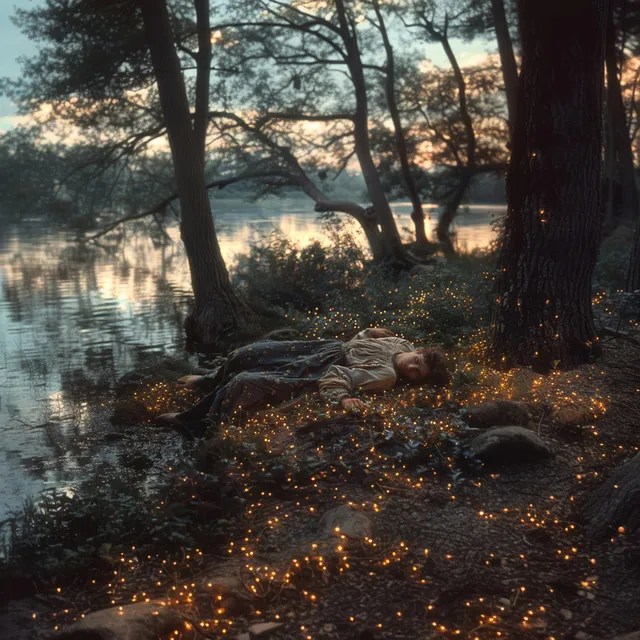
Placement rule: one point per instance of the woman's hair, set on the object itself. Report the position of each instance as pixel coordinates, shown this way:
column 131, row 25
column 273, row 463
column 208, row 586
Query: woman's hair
column 436, row 362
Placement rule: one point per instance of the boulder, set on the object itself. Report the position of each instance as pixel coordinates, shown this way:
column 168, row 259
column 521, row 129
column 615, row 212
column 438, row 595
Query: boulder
column 498, row 413
column 346, row 520
column 142, row 621
column 506, row 446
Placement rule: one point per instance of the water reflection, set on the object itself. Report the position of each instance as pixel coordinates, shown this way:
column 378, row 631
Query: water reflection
column 73, row 319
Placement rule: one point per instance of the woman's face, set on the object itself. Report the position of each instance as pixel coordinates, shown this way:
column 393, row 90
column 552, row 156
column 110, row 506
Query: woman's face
column 412, row 366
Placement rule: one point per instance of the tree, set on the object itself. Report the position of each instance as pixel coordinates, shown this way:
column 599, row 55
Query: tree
column 316, row 58
column 618, row 150
column 480, row 18
column 401, row 147
column 542, row 311
column 99, row 68
column 461, row 139
column 458, row 131
column 217, row 310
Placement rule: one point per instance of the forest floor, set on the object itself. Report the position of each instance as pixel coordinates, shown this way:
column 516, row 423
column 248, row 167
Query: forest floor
column 430, row 541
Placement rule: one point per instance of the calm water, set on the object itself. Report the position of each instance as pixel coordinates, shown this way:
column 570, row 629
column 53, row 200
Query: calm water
column 73, row 315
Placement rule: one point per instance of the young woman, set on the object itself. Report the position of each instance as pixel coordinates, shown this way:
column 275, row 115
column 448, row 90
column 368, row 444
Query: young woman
column 269, row 373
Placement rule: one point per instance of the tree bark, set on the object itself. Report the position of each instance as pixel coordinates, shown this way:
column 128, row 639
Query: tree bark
column 394, row 251
column 507, row 58
column 633, row 274
column 542, row 311
column 417, row 214
column 216, row 311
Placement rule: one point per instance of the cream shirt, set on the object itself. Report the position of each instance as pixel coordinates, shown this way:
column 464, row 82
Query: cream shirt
column 369, row 366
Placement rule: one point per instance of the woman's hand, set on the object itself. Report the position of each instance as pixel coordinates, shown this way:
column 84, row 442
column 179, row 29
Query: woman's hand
column 352, row 404
column 379, row 332
column 188, row 382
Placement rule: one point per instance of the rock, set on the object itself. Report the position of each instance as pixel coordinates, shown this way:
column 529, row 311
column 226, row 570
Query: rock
column 230, row 594
column 498, row 413
column 634, row 635
column 349, row 522
column 142, row 621
column 615, row 505
column 510, row 445
column 574, row 416
column 130, row 412
column 263, row 629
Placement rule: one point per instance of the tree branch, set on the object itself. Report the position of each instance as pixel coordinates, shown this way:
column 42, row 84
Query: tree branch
column 218, row 183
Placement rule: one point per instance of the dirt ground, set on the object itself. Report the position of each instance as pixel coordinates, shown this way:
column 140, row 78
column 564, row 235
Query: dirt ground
column 448, row 548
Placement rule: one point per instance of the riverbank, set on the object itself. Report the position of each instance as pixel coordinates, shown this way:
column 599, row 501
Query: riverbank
column 432, row 536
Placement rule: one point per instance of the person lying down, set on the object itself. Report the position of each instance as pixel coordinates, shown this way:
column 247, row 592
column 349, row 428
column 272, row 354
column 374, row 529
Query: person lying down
column 270, row 374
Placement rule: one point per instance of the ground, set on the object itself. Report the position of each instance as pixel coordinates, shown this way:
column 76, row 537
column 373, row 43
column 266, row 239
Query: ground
column 454, row 549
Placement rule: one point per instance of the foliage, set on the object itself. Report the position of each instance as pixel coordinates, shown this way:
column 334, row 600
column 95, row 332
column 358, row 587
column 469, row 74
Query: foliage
column 68, row 533
column 334, row 291
column 282, row 95
column 276, row 272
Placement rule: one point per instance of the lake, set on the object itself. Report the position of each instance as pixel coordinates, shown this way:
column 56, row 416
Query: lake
column 72, row 314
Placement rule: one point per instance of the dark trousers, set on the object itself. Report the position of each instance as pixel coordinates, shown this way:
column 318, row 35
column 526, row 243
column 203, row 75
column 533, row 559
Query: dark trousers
column 265, row 374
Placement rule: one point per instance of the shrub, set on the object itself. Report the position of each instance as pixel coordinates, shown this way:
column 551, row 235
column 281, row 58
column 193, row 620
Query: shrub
column 278, row 273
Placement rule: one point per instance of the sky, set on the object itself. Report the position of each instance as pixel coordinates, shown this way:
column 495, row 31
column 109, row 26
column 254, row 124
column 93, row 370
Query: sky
column 12, row 45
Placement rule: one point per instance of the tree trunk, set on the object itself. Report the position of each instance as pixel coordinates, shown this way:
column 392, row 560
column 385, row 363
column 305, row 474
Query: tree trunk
column 507, row 58
column 417, row 214
column 394, row 251
column 608, row 173
column 217, row 311
column 623, row 153
column 365, row 219
column 466, row 170
column 443, row 230
column 542, row 312
column 633, row 274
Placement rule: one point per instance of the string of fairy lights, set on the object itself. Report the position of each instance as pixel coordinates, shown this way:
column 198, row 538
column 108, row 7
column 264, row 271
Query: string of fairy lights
column 321, row 562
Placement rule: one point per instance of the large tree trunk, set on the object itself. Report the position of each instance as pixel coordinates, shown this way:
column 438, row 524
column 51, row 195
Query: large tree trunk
column 394, row 251
column 542, row 312
column 622, row 151
column 217, row 311
column 507, row 58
